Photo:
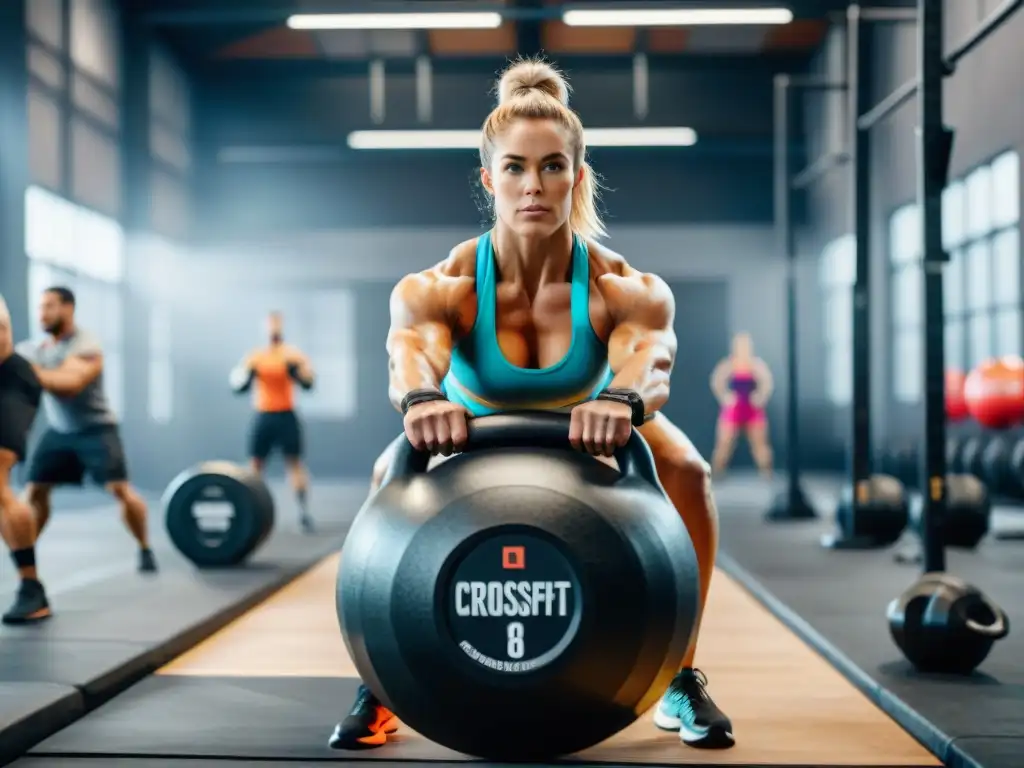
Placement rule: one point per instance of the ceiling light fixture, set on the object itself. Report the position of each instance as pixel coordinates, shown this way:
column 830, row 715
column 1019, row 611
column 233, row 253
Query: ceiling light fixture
column 595, row 137
column 675, row 17
column 325, row 21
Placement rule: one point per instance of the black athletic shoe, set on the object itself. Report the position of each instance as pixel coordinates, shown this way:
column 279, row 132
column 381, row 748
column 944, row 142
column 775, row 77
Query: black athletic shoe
column 687, row 708
column 367, row 726
column 147, row 561
column 30, row 604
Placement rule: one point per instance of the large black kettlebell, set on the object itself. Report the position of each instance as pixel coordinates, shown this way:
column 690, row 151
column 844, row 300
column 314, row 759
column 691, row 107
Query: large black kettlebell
column 550, row 595
column 944, row 625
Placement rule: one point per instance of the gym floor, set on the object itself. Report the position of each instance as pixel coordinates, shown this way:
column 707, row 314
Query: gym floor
column 268, row 685
column 809, row 674
column 837, row 601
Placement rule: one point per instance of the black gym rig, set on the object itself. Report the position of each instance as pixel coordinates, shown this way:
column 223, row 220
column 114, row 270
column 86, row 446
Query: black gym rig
column 940, row 623
column 938, row 612
column 864, row 524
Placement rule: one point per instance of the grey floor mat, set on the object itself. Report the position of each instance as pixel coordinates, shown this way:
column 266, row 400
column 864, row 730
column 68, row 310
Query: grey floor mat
column 116, row 625
column 843, row 596
column 30, row 711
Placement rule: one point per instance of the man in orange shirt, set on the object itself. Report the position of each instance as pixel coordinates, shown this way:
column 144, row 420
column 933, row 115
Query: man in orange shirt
column 274, row 370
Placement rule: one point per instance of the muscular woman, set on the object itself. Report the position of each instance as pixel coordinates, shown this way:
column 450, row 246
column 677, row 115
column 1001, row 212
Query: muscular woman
column 20, row 393
column 535, row 314
column 742, row 383
column 275, row 369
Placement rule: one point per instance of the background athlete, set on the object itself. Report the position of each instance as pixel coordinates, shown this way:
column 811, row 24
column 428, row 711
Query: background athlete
column 534, row 314
column 272, row 372
column 20, row 393
column 742, row 383
column 82, row 436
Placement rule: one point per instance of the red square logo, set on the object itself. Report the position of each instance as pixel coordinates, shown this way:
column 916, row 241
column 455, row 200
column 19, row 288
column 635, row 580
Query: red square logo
column 513, row 558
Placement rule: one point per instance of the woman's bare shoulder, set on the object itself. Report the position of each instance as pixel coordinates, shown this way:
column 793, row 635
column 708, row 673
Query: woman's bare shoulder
column 624, row 284
column 439, row 290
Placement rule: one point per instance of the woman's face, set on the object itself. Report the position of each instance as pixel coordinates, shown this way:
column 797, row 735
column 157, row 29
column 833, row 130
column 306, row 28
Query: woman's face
column 531, row 177
column 742, row 345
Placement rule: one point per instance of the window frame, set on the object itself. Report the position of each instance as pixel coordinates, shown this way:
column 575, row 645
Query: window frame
column 973, row 322
column 61, row 260
column 969, row 317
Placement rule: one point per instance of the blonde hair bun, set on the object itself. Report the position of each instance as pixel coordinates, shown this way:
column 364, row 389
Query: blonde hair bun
column 529, row 75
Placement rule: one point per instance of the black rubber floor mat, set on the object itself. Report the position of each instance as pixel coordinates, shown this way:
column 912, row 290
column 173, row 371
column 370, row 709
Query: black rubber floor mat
column 247, row 718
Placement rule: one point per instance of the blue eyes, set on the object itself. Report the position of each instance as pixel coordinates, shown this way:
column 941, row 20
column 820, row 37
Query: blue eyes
column 517, row 168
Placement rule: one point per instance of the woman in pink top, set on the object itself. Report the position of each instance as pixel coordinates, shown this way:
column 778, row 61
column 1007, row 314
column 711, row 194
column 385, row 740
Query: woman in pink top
column 742, row 383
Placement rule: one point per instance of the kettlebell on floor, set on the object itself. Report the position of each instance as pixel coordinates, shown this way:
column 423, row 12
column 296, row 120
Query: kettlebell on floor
column 968, row 512
column 942, row 624
column 873, row 516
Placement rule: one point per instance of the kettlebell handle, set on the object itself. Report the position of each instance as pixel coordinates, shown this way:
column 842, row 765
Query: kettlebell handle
column 997, row 629
column 529, row 429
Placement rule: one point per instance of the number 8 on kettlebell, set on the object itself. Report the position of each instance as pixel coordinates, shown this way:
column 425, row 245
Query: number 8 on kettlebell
column 515, row 640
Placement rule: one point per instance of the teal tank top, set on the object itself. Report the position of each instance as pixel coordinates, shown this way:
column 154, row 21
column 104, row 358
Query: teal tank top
column 483, row 381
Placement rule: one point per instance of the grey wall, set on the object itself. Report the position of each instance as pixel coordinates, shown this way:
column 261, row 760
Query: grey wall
column 229, row 288
column 982, row 105
column 726, row 177
column 382, row 190
column 158, row 224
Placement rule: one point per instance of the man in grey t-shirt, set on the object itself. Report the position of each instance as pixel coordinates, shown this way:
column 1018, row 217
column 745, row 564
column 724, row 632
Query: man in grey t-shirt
column 83, row 437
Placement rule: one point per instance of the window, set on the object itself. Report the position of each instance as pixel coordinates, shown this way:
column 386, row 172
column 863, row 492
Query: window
column 907, row 302
column 836, row 275
column 40, row 277
column 100, row 246
column 954, row 224
column 323, row 324
column 49, row 227
column 981, row 217
column 67, row 235
column 72, row 246
column 978, row 202
column 161, row 367
column 982, row 279
column 1006, row 190
column 74, row 104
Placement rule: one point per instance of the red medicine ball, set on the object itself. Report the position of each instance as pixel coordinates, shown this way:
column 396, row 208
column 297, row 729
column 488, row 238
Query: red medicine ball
column 994, row 392
column 956, row 405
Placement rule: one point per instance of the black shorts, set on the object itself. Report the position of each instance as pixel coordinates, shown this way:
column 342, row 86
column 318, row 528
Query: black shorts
column 279, row 429
column 19, row 402
column 65, row 459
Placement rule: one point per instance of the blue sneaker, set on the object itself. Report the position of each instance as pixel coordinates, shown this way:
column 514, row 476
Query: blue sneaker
column 687, row 708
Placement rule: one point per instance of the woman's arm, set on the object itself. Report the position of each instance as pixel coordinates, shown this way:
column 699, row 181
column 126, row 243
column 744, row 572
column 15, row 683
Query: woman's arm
column 720, row 380
column 424, row 321
column 642, row 345
column 765, row 383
